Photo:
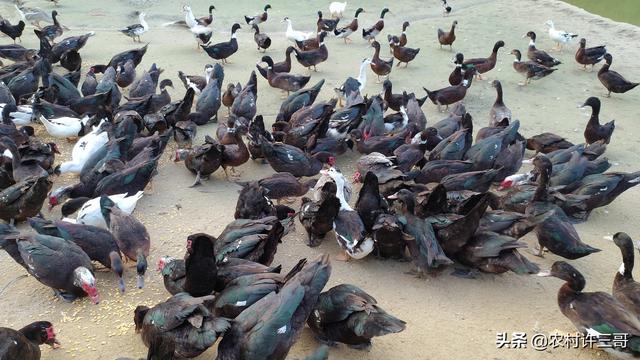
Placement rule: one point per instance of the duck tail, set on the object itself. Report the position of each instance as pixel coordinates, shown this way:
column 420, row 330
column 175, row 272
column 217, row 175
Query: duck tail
column 248, row 19
column 296, row 269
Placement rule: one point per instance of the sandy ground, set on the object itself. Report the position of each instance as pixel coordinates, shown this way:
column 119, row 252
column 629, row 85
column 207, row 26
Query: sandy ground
column 447, row 317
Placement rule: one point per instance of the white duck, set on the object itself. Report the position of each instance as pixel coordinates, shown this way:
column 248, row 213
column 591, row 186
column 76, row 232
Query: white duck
column 83, row 149
column 21, row 117
column 90, row 214
column 34, row 15
column 64, row 127
column 560, row 37
column 337, row 9
column 189, row 18
column 295, row 35
column 361, row 79
column 348, row 226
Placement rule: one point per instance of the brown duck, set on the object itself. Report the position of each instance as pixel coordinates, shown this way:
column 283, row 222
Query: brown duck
column 613, row 81
column 379, row 66
column 282, row 80
column 589, row 56
column 451, row 94
column 484, row 65
column 539, row 56
column 530, row 69
column 594, row 131
column 345, row 32
column 235, row 154
column 447, row 37
column 315, row 56
column 404, row 54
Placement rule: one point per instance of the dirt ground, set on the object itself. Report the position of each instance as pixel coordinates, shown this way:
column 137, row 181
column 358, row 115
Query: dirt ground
column 447, row 317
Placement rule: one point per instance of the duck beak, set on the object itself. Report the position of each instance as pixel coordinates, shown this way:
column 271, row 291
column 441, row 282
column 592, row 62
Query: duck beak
column 140, row 281
column 544, row 273
column 121, row 285
column 393, row 196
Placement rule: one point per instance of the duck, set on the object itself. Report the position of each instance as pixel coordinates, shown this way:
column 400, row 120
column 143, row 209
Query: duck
column 426, row 253
column 64, row 127
column 262, row 40
column 547, row 142
column 283, row 80
column 253, row 202
column 238, row 240
column 556, row 233
column 353, row 87
column 625, row 288
column 499, row 111
column 387, row 235
column 380, row 67
column 183, row 319
column 288, row 158
column 402, row 39
column 125, row 74
column 130, row 234
column 539, row 56
column 24, row 199
column 326, row 24
column 342, row 311
column 298, row 100
column 380, row 144
column 613, row 81
column 446, row 9
column 310, row 44
column 131, row 179
column 258, row 19
column 59, row 264
column 484, row 65
column 448, row 37
column 83, row 149
column 493, row 253
column 203, row 160
column 230, row 95
column 197, row 82
column 594, row 314
column 245, row 291
column 451, row 94
column 200, row 265
column 12, row 31
column 478, row 181
column 25, row 343
column 348, row 226
column 315, row 56
column 594, row 131
column 402, row 53
column 223, row 50
column 529, row 69
column 589, row 56
column 336, row 9
column 370, row 33
column 23, row 167
column 51, row 32
column 26, row 82
column 69, row 44
column 136, row 55
column 234, row 155
column 136, row 30
column 97, row 243
column 282, row 66
column 560, row 37
column 598, row 190
column 346, row 31
column 89, row 212
column 370, row 203
column 34, row 15
column 284, row 185
column 283, row 312
column 20, row 115
column 294, row 35
column 318, row 217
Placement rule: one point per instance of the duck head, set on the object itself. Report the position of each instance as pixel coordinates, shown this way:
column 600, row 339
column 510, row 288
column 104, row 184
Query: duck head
column 267, row 7
column 164, row 262
column 458, row 59
column 624, row 242
column 384, row 12
column 201, row 244
column 583, row 43
column 517, row 54
column 358, row 11
column 116, row 266
column 41, row 332
column 531, row 35
column 84, row 279
column 58, row 195
column 406, row 24
column 166, row 82
column 404, row 201
column 141, row 268
column 138, row 317
column 286, row 19
column 235, row 28
column 566, row 272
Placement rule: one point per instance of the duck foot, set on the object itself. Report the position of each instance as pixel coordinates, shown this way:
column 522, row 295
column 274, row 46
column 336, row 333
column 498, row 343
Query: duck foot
column 365, row 346
column 66, row 297
column 465, row 273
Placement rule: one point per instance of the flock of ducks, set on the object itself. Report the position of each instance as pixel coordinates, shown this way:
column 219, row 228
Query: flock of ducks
column 428, row 193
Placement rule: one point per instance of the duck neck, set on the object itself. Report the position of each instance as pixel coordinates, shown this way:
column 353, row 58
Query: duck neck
column 344, row 205
column 567, row 294
column 453, row 29
column 376, row 53
column 499, row 100
column 144, row 24
column 55, row 20
column 289, row 26
column 362, row 76
column 543, row 184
